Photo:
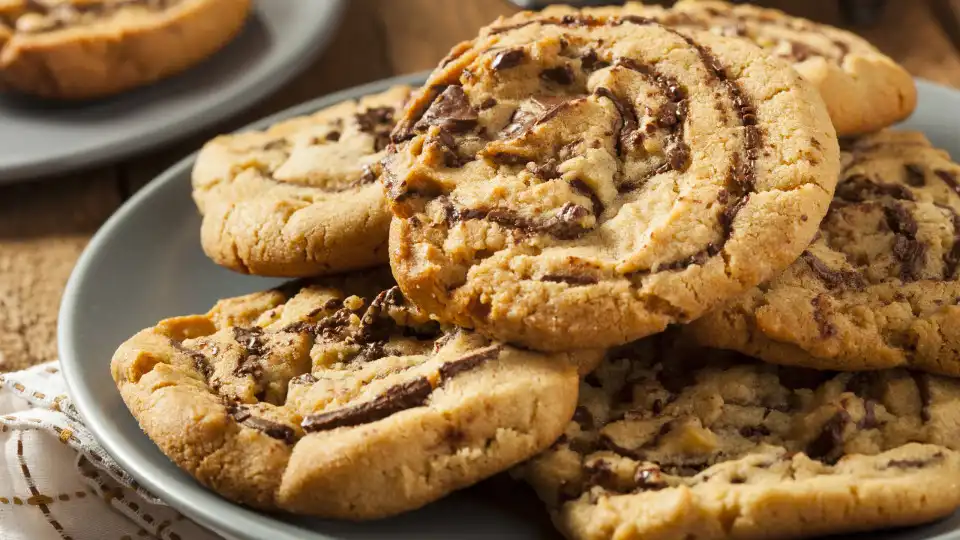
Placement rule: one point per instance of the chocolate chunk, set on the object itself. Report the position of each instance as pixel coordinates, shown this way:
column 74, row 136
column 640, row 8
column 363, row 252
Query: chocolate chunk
column 678, row 155
column 668, row 115
column 332, row 136
column 582, row 188
column 599, row 474
column 373, row 118
column 648, row 479
column 906, row 248
column 546, row 170
column 828, row 446
column 488, row 103
column 729, row 215
column 466, row 363
column 698, row 258
column 951, row 259
column 916, row 175
column 399, row 398
column 552, row 112
column 561, row 75
column 627, row 125
column 858, row 188
column 200, row 362
column 590, row 61
column 507, row 59
column 914, row 463
column 949, row 178
column 251, row 339
column 833, row 279
column 564, row 225
column 505, row 158
column 333, row 325
column 570, row 280
column 451, row 110
column 532, row 112
column 821, row 304
column 375, row 324
column 448, row 146
column 369, row 352
column 269, row 428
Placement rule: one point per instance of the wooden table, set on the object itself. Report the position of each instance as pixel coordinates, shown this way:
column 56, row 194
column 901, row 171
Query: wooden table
column 45, row 225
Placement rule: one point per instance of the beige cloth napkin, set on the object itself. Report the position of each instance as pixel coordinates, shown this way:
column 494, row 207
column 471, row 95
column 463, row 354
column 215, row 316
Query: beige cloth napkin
column 55, row 480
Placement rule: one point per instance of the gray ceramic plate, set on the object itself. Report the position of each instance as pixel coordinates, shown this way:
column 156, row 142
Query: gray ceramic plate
column 146, row 264
column 40, row 138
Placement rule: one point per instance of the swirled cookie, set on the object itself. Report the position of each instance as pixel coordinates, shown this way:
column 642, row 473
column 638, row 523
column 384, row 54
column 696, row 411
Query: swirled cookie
column 581, row 182
column 81, row 49
column 879, row 287
column 301, row 198
column 864, row 89
column 334, row 398
column 672, row 442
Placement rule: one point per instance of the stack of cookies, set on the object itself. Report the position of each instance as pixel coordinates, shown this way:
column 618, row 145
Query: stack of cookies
column 629, row 261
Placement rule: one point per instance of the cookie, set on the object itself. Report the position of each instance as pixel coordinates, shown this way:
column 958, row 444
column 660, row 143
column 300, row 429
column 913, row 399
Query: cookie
column 879, row 287
column 334, row 398
column 301, row 198
column 673, row 442
column 864, row 89
column 582, row 182
column 83, row 49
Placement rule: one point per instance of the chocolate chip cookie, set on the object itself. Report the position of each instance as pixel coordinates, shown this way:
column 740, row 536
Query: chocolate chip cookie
column 864, row 89
column 82, row 49
column 577, row 181
column 672, row 442
column 301, row 198
column 879, row 287
column 335, row 398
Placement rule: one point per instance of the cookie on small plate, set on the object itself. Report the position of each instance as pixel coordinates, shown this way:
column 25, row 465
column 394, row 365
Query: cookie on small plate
column 335, row 398
column 671, row 442
column 864, row 89
column 566, row 182
column 879, row 287
column 301, row 198
column 82, row 49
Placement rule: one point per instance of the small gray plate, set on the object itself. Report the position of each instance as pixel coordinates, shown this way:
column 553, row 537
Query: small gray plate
column 146, row 264
column 40, row 137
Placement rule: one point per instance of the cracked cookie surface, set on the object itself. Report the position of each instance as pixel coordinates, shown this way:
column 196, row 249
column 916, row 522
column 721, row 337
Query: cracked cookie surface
column 83, row 49
column 582, row 182
column 864, row 90
column 879, row 287
column 301, row 198
column 670, row 441
column 335, row 398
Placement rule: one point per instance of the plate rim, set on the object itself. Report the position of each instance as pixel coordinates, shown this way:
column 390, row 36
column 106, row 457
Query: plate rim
column 250, row 524
column 239, row 99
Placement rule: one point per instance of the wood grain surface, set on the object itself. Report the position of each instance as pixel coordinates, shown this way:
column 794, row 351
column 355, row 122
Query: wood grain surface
column 44, row 225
